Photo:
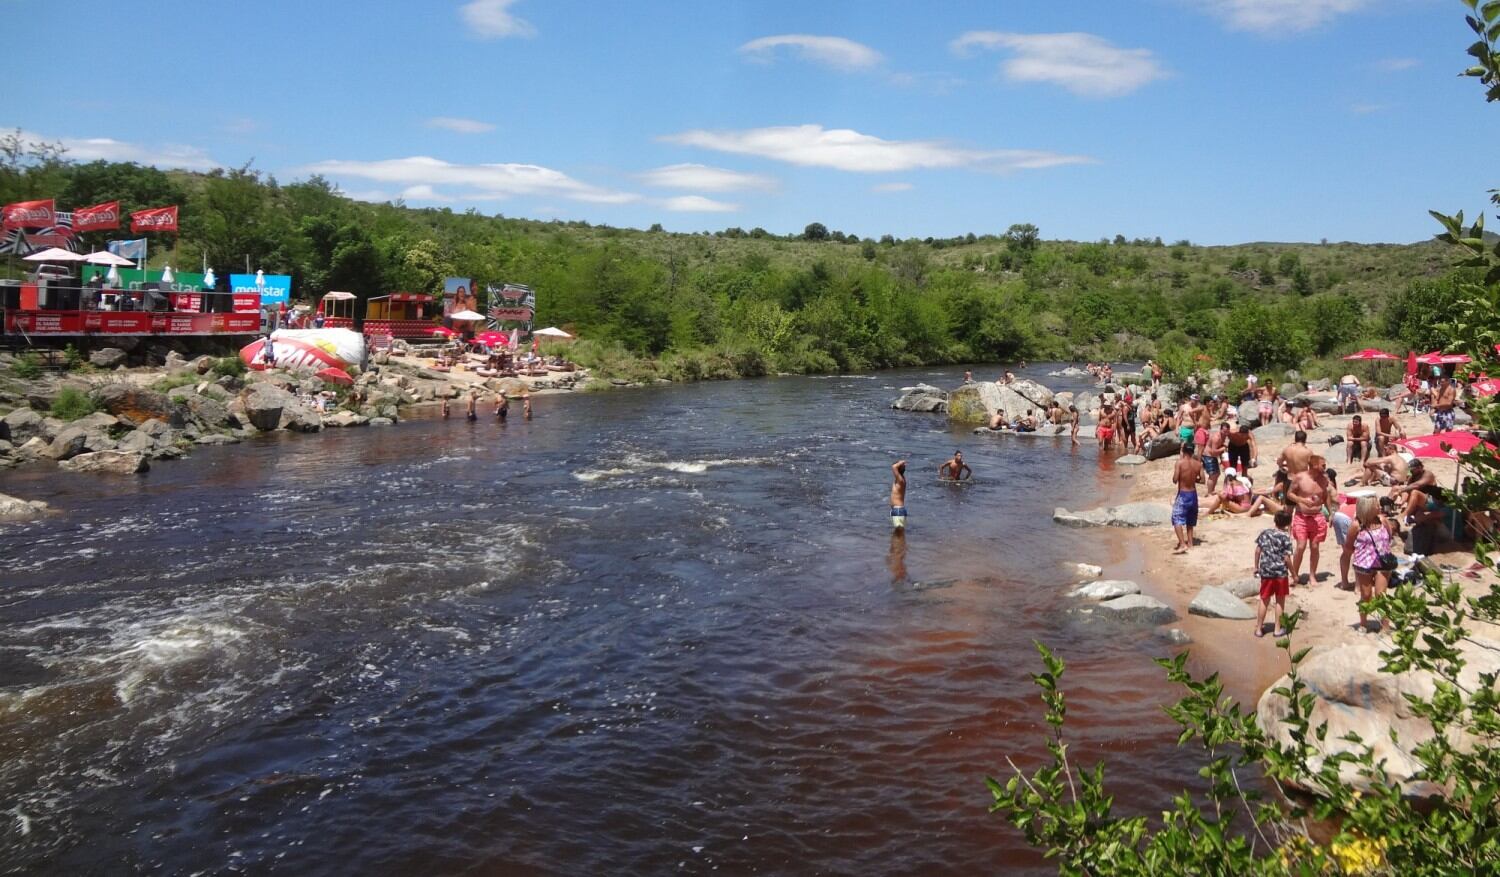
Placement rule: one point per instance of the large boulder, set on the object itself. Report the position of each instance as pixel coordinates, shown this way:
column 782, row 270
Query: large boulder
column 107, row 357
column 269, row 407
column 976, row 402
column 1322, row 403
column 24, row 424
column 1107, row 589
column 16, row 509
column 205, row 409
column 1131, row 514
column 1242, row 588
column 344, row 418
column 1352, row 695
column 922, row 398
column 1163, row 446
column 1137, row 609
column 110, row 462
column 1213, row 602
column 79, row 439
column 137, row 404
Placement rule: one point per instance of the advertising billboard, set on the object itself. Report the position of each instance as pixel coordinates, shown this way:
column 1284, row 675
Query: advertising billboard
column 458, row 295
column 278, row 288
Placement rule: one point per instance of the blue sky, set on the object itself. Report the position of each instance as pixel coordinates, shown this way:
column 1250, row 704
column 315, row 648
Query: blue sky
column 1221, row 121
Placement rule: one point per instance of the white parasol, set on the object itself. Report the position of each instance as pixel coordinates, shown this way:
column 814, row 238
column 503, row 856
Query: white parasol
column 167, row 276
column 552, row 332
column 465, row 315
column 210, row 279
column 55, row 254
column 101, row 257
column 113, row 277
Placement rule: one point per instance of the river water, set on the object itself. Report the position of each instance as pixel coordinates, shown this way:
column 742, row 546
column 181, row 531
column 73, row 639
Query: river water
column 650, row 630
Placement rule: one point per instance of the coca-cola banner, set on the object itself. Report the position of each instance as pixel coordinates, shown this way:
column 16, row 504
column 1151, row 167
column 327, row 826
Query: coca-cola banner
column 155, row 219
column 28, row 214
column 98, row 217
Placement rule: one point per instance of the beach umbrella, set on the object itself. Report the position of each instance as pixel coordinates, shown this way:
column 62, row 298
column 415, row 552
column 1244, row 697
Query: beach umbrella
column 1484, row 387
column 103, row 257
column 55, row 254
column 336, row 376
column 167, row 276
column 552, row 332
column 466, row 315
column 1372, row 353
column 441, row 330
column 1436, row 358
column 1443, row 445
column 210, row 279
column 490, row 339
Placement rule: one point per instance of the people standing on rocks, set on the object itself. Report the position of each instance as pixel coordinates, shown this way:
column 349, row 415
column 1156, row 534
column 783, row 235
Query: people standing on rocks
column 955, row 469
column 1242, row 451
column 1294, row 457
column 1444, row 397
column 1357, row 438
column 1372, row 556
column 1273, row 550
column 1187, row 473
column 1311, row 496
column 898, row 495
column 1128, row 438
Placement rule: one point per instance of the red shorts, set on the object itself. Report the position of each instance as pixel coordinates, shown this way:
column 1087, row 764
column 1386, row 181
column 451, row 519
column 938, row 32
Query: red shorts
column 1105, row 433
column 1273, row 588
column 1309, row 528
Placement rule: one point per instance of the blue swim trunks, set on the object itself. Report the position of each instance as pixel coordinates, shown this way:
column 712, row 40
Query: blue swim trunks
column 1210, row 464
column 898, row 516
column 1185, row 509
column 1442, row 421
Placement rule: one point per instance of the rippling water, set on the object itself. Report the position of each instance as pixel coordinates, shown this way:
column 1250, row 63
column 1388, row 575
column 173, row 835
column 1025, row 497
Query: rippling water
column 650, row 630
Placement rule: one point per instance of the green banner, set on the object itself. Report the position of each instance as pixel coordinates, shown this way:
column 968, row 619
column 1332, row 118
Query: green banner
column 130, row 278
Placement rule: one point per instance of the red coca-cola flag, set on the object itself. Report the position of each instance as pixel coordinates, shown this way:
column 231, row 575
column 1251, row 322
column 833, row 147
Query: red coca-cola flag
column 98, row 217
column 155, row 219
column 28, row 214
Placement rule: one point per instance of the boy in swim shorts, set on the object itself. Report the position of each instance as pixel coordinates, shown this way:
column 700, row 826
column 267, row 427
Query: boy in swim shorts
column 1273, row 550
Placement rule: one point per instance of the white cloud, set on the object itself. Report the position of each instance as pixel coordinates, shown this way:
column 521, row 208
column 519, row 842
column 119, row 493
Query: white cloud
column 1082, row 63
column 108, row 149
column 847, row 150
column 835, row 52
column 478, row 182
column 459, row 126
column 373, row 196
column 1396, row 65
column 886, row 188
column 705, row 178
column 697, row 204
column 1281, row 16
column 491, row 19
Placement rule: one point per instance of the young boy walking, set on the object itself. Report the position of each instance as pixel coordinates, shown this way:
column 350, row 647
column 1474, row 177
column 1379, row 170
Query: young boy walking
column 1273, row 551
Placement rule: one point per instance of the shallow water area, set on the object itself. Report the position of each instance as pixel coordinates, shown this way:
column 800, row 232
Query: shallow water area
column 651, row 629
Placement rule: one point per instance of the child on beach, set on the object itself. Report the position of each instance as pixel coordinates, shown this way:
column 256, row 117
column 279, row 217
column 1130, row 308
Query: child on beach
column 1273, row 551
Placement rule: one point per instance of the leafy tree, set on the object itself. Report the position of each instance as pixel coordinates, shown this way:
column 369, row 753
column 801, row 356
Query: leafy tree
column 815, row 231
column 1021, row 241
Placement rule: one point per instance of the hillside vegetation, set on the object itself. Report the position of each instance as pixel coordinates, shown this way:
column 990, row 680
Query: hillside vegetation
column 737, row 302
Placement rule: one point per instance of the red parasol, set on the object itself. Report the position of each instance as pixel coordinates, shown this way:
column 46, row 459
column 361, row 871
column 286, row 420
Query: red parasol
column 1485, row 387
column 336, row 376
column 1443, row 445
column 492, row 339
column 1436, row 358
column 441, row 330
column 1372, row 353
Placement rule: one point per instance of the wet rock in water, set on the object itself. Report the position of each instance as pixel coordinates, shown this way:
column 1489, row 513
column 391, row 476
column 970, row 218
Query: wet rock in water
column 23, row 424
column 1213, row 602
column 1176, row 636
column 107, row 357
column 1352, row 695
column 1131, row 514
column 110, row 462
column 216, row 438
column 1137, row 609
column 1072, row 371
column 1108, row 589
column 921, row 398
column 1242, row 588
column 1130, row 460
column 1087, row 571
column 382, row 421
column 344, row 419
column 13, row 508
column 976, row 402
column 263, row 404
column 137, row 404
column 1163, row 446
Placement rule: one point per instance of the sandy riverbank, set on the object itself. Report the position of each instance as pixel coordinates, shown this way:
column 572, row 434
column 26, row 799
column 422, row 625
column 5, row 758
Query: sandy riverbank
column 1225, row 553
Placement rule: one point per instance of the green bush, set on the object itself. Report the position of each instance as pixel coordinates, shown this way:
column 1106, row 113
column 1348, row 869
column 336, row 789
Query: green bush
column 27, row 366
column 72, row 359
column 72, row 403
column 229, row 365
column 172, row 382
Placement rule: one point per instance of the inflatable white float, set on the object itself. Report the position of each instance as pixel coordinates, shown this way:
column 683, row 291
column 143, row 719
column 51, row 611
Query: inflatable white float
column 309, row 350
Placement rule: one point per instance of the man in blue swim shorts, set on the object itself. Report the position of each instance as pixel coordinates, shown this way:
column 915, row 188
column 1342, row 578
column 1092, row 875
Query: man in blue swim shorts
column 898, row 494
column 1187, row 473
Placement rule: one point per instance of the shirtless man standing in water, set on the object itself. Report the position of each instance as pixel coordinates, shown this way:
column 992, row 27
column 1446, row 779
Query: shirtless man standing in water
column 1187, row 473
column 898, row 495
column 955, row 469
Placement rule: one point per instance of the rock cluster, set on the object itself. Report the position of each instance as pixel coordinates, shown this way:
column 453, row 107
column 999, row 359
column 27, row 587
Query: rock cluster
column 923, row 398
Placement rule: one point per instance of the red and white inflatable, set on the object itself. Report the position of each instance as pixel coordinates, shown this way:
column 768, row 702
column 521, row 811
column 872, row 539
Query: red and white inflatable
column 309, row 350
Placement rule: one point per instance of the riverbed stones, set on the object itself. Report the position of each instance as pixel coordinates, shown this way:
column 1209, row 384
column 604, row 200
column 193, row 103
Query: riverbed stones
column 1107, row 589
column 13, row 508
column 1130, row 460
column 1242, row 588
column 382, row 421
column 1087, row 571
column 1353, row 695
column 79, row 439
column 1130, row 514
column 1137, row 609
column 108, row 462
column 1213, row 602
column 24, row 424
column 138, row 404
column 923, row 398
column 344, row 418
column 216, row 438
column 1175, row 636
column 107, row 357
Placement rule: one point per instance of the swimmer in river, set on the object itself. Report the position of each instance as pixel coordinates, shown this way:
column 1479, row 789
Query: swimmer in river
column 955, row 469
column 473, row 405
column 502, row 407
column 526, row 405
column 445, row 409
column 898, row 494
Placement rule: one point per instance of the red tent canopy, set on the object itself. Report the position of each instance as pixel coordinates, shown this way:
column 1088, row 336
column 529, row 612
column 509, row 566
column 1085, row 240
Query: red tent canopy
column 1443, row 445
column 1372, row 353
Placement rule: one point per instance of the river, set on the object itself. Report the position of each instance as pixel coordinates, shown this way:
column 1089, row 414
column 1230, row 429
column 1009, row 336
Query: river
column 651, row 630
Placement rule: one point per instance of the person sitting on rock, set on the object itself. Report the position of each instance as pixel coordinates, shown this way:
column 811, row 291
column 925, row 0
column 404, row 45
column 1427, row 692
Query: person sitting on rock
column 1027, row 423
column 1271, row 500
column 1387, row 430
column 1305, row 418
column 998, row 421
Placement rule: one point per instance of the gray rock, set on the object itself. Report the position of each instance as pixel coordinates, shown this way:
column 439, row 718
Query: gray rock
column 1131, row 514
column 206, row 410
column 1319, row 385
column 921, row 398
column 1213, row 602
column 976, row 402
column 1322, row 403
column 203, row 364
column 110, row 462
column 1293, row 375
column 24, row 424
column 1289, row 389
column 1130, row 460
column 1176, row 636
column 1242, row 588
column 382, row 421
column 176, row 362
column 138, row 442
column 344, row 419
column 1108, row 589
column 16, row 509
column 1163, row 446
column 107, row 357
column 137, row 404
column 1087, row 571
column 1138, row 609
column 269, row 407
column 216, row 438
column 34, row 448
column 75, row 440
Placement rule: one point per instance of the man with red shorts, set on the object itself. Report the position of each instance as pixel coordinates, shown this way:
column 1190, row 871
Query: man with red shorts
column 1273, row 548
column 1310, row 495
